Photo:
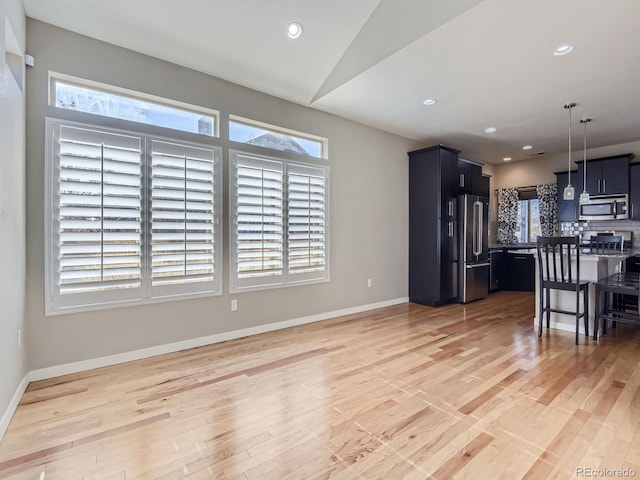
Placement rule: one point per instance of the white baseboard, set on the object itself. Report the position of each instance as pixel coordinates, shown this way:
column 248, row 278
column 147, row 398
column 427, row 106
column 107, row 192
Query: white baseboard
column 13, row 404
column 65, row 369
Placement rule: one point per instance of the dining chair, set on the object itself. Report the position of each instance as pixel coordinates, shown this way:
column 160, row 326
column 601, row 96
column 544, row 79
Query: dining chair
column 556, row 256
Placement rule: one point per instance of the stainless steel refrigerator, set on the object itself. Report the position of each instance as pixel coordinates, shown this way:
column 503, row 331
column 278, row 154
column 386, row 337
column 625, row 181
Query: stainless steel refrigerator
column 473, row 248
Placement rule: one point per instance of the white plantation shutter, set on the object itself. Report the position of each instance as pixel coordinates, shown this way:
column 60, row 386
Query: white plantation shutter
column 279, row 229
column 97, row 225
column 183, row 218
column 258, row 233
column 307, row 222
column 129, row 219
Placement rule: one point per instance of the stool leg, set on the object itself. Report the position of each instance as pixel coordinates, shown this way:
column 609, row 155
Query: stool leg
column 586, row 310
column 548, row 300
column 605, row 308
column 540, row 309
column 577, row 317
column 596, row 317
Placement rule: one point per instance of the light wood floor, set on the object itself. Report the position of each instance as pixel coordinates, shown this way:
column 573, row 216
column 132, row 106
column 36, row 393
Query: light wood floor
column 398, row 393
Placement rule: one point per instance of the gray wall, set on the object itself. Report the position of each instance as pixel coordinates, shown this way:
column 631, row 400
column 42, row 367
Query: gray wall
column 12, row 210
column 368, row 208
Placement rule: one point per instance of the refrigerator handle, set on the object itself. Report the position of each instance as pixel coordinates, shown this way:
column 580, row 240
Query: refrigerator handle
column 477, row 227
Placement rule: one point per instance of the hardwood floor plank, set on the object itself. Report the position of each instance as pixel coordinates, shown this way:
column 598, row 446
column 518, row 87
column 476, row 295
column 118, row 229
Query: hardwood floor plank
column 404, row 392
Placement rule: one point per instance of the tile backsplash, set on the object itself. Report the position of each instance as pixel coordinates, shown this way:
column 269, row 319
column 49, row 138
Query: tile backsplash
column 576, row 228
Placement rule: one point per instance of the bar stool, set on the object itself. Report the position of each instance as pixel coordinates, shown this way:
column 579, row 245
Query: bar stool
column 554, row 270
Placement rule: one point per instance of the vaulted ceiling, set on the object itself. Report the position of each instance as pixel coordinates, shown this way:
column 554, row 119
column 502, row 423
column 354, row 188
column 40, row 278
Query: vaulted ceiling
column 488, row 63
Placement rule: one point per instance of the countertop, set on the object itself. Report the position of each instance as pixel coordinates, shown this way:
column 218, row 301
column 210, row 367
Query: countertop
column 512, row 246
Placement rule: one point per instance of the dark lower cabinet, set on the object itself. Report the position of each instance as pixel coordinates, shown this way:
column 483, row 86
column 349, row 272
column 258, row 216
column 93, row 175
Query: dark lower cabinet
column 633, row 264
column 513, row 270
column 519, row 272
column 496, row 273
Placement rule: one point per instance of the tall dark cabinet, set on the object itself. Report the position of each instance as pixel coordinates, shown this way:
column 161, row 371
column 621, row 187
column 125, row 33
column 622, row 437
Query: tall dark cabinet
column 433, row 190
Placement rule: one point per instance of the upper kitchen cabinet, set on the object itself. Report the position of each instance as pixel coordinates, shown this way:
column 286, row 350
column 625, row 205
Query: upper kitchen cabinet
column 433, row 192
column 568, row 209
column 470, row 178
column 609, row 175
column 634, row 195
column 484, row 186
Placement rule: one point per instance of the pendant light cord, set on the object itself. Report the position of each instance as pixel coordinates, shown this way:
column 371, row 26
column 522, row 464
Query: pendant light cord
column 570, row 106
column 585, row 121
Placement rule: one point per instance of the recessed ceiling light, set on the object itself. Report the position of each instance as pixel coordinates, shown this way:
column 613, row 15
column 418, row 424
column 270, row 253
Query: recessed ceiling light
column 507, row 159
column 294, row 30
column 490, row 130
column 527, row 147
column 430, row 101
column 563, row 49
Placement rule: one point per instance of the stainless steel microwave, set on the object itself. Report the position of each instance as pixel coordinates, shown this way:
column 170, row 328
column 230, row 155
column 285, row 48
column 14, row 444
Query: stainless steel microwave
column 605, row 207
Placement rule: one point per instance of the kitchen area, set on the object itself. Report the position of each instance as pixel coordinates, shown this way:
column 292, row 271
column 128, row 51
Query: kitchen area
column 451, row 255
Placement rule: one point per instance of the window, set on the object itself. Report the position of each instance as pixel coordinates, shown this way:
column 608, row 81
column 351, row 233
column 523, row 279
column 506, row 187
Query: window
column 109, row 101
column 528, row 226
column 269, row 136
column 130, row 218
column 279, row 212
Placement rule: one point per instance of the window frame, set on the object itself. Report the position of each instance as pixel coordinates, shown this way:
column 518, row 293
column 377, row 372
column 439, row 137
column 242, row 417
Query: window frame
column 110, row 298
column 529, row 217
column 287, row 278
column 55, row 77
column 324, row 142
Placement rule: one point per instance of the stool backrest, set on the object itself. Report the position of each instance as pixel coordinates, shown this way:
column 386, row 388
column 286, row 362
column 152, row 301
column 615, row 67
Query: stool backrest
column 555, row 258
column 606, row 243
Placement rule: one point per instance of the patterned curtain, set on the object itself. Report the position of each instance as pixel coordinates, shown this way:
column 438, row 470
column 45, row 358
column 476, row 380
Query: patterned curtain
column 548, row 202
column 507, row 215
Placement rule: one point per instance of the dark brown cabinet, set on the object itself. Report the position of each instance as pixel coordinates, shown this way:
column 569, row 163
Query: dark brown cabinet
column 433, row 191
column 470, row 178
column 609, row 175
column 519, row 272
column 568, row 209
column 437, row 176
column 634, row 191
column 484, row 186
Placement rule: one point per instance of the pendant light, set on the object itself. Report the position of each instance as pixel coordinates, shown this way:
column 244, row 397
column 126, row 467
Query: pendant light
column 569, row 192
column 584, row 196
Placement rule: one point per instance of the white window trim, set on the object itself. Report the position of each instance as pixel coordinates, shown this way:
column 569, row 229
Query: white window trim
column 286, row 131
column 146, row 288
column 103, row 87
column 286, row 279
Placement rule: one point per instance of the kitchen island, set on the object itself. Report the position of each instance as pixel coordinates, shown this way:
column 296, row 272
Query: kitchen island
column 593, row 267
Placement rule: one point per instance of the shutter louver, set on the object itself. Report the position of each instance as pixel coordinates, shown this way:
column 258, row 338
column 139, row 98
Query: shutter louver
column 306, row 213
column 99, row 211
column 182, row 214
column 259, row 219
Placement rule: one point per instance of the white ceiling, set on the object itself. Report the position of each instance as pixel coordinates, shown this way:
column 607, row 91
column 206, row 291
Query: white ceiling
column 487, row 62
